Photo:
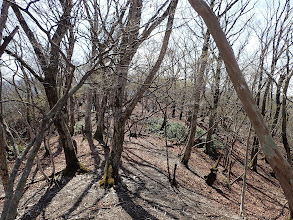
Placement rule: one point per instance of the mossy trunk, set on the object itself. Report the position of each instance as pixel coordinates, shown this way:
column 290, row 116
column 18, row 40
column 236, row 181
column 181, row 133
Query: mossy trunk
column 111, row 172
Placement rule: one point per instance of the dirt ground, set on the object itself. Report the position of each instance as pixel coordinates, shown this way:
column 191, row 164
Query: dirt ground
column 146, row 192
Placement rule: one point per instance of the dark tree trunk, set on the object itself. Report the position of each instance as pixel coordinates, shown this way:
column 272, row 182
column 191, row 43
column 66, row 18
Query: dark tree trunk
column 99, row 134
column 255, row 147
column 278, row 104
column 72, row 163
column 284, row 113
column 213, row 111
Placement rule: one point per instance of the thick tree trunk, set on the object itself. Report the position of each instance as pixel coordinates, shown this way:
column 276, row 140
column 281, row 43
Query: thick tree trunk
column 111, row 172
column 3, row 161
column 281, row 167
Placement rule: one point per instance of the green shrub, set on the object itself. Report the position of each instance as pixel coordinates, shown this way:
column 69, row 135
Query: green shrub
column 175, row 130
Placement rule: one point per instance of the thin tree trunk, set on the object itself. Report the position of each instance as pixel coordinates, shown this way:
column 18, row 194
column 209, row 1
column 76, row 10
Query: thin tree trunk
column 99, row 134
column 71, row 115
column 255, row 146
column 244, row 176
column 183, row 96
column 213, row 111
column 198, row 87
column 278, row 104
column 281, row 167
column 284, row 120
column 3, row 161
column 3, row 145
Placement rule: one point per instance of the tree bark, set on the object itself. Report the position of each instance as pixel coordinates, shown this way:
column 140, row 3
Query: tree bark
column 278, row 104
column 284, row 120
column 111, row 171
column 213, row 111
column 99, row 134
column 280, row 165
column 50, row 71
column 3, row 161
column 198, row 87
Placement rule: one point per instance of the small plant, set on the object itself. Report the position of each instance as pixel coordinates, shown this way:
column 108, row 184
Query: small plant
column 175, row 130
column 78, row 128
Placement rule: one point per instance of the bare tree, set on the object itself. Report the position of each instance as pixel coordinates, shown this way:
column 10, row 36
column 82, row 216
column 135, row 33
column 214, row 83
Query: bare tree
column 49, row 66
column 281, row 167
column 130, row 41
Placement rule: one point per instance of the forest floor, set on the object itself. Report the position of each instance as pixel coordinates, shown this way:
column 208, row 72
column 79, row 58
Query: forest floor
column 147, row 193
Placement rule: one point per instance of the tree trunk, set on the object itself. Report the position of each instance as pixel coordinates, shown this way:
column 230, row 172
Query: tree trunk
column 72, row 163
column 111, row 172
column 71, row 115
column 88, row 116
column 199, row 85
column 213, row 111
column 281, row 167
column 278, row 104
column 255, row 146
column 3, row 161
column 284, row 120
column 99, row 134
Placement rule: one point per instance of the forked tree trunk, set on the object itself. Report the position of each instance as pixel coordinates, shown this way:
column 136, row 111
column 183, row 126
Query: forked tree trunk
column 50, row 71
column 111, row 171
column 280, row 165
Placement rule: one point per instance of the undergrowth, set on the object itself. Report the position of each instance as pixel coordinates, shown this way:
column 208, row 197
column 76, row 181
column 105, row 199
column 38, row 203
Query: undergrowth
column 177, row 131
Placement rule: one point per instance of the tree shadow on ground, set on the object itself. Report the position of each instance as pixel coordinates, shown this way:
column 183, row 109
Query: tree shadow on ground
column 94, row 152
column 97, row 159
column 127, row 197
column 45, row 200
column 80, row 198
